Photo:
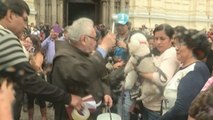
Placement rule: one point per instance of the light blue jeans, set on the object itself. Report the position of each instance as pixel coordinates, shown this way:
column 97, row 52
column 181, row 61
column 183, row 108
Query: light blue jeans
column 123, row 105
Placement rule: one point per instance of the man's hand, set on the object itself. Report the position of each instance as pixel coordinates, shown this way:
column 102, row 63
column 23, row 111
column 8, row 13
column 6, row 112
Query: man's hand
column 108, row 100
column 108, row 42
column 77, row 102
column 6, row 93
column 6, row 100
column 118, row 64
column 122, row 44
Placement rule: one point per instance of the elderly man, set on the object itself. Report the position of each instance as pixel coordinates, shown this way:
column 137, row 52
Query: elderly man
column 79, row 66
column 15, row 66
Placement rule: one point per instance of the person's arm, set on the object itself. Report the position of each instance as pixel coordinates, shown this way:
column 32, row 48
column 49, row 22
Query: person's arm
column 34, row 84
column 106, row 89
column 189, row 87
column 36, row 61
column 44, row 44
column 6, row 100
column 31, row 83
column 168, row 67
column 16, row 68
column 107, row 42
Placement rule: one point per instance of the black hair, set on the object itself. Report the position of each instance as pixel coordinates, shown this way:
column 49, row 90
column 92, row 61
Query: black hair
column 16, row 6
column 166, row 28
column 202, row 106
column 36, row 43
column 129, row 24
column 101, row 31
column 197, row 41
column 179, row 30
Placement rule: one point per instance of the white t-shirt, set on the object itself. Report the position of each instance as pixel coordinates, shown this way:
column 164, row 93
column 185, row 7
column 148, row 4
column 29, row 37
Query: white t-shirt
column 170, row 91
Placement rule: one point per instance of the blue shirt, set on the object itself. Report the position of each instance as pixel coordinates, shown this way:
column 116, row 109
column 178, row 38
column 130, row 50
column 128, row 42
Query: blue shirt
column 48, row 45
column 102, row 52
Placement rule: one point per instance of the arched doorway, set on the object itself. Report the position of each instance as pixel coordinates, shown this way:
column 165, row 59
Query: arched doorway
column 75, row 9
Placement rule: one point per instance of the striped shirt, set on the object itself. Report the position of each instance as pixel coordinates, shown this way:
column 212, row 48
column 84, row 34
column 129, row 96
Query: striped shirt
column 14, row 66
column 11, row 52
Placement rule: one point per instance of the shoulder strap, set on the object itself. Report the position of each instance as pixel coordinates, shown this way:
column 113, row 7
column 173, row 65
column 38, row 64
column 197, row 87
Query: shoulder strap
column 161, row 74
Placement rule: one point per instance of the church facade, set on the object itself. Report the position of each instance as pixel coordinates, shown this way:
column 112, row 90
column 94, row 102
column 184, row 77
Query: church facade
column 190, row 13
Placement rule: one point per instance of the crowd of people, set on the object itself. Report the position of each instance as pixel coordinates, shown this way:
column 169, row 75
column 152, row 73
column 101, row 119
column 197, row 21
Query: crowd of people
column 64, row 65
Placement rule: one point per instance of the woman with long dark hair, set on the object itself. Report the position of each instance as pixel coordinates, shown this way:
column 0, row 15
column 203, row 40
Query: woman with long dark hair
column 36, row 60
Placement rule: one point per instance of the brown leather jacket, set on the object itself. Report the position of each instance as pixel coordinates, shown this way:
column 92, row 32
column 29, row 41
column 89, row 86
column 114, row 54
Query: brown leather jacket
column 79, row 73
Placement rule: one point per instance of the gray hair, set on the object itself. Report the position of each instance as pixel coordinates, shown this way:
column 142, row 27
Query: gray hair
column 81, row 26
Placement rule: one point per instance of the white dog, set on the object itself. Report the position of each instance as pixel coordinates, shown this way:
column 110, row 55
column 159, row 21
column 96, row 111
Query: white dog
column 138, row 63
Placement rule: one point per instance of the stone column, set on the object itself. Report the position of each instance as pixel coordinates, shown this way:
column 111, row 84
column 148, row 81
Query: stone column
column 194, row 13
column 123, row 6
column 127, row 6
column 60, row 13
column 104, row 11
column 149, row 5
column 112, row 11
column 49, row 12
column 42, row 11
column 31, row 17
column 208, row 6
column 54, row 12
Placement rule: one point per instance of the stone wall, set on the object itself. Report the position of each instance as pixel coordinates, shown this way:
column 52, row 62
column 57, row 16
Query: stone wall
column 190, row 13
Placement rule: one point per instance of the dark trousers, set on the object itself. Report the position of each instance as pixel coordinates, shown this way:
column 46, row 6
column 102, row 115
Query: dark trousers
column 17, row 106
column 31, row 100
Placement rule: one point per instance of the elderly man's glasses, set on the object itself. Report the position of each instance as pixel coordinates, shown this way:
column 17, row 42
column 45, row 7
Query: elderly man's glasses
column 94, row 38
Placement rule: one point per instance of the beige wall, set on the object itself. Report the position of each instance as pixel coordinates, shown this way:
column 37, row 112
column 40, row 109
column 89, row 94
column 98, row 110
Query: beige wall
column 31, row 18
column 190, row 13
